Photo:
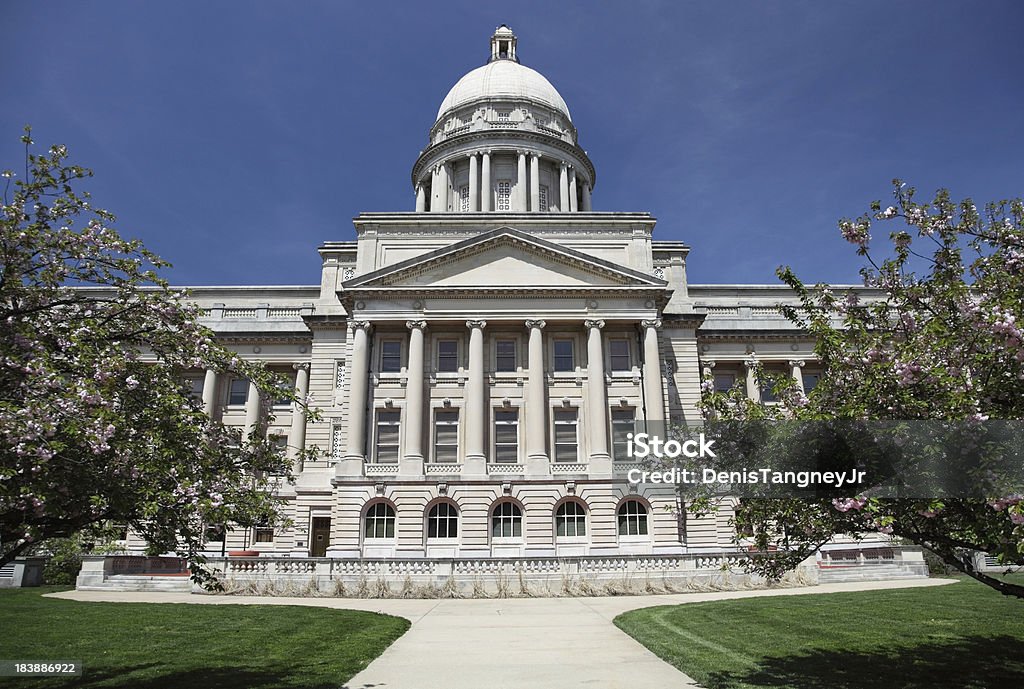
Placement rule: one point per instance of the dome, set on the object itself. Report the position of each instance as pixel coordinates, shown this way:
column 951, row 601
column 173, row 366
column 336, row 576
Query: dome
column 503, row 79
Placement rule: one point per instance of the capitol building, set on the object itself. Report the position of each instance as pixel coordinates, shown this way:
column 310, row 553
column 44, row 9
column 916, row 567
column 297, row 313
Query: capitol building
column 479, row 358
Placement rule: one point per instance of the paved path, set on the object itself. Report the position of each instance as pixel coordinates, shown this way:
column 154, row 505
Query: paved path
column 529, row 643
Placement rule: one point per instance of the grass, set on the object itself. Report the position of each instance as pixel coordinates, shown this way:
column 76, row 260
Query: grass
column 960, row 636
column 170, row 645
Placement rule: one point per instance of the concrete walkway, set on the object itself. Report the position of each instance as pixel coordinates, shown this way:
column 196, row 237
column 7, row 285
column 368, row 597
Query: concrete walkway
column 529, row 643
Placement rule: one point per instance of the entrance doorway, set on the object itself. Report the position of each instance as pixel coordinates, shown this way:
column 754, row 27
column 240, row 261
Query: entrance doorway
column 320, row 536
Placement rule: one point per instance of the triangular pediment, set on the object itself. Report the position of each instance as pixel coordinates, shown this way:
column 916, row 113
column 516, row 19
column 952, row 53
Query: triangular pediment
column 504, row 258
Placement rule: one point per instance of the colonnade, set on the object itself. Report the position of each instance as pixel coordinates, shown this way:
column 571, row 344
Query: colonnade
column 476, row 417
column 440, row 195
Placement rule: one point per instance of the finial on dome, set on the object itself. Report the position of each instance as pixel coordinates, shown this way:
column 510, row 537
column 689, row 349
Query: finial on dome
column 503, row 44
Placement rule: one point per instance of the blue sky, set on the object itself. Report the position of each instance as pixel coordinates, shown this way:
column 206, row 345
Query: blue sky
column 233, row 138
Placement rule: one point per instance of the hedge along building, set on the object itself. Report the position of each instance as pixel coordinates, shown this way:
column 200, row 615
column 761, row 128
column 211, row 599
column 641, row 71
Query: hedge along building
column 479, row 360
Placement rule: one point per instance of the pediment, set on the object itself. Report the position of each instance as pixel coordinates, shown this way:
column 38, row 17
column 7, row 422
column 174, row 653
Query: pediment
column 504, row 258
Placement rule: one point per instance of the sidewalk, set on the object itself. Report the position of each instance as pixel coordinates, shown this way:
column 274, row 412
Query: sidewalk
column 510, row 643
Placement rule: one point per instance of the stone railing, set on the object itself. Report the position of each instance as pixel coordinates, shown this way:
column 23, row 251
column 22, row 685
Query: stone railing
column 484, row 575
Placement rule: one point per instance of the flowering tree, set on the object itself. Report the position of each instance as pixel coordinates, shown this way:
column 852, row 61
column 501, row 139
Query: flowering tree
column 943, row 342
column 97, row 423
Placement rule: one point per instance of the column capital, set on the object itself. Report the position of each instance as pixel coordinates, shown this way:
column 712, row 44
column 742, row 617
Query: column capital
column 416, row 325
column 651, row 323
column 592, row 323
column 301, row 366
column 535, row 324
column 476, row 324
column 708, row 363
column 797, row 363
column 362, row 325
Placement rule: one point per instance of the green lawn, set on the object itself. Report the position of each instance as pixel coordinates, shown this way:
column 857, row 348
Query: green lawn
column 959, row 636
column 167, row 646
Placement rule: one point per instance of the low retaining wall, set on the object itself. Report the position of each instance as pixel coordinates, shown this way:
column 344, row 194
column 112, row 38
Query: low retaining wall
column 489, row 577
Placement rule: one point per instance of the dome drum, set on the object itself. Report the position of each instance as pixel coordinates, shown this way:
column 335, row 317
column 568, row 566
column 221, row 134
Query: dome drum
column 512, row 173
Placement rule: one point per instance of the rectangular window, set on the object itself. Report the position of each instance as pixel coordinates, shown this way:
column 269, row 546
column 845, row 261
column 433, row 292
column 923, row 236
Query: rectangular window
column 195, row 387
column 543, row 199
column 564, row 358
column 810, row 380
column 288, row 385
column 506, row 436
column 238, row 392
column 387, row 436
column 724, row 382
column 391, row 356
column 622, row 424
column 566, row 442
column 464, row 198
column 504, row 195
column 767, row 394
column 446, row 437
column 504, row 115
column 505, row 359
column 448, row 356
column 264, row 534
column 339, row 374
column 619, row 352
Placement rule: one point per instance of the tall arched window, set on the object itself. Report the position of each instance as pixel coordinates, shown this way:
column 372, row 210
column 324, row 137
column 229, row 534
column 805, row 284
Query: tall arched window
column 443, row 521
column 632, row 518
column 507, row 521
column 571, row 519
column 379, row 521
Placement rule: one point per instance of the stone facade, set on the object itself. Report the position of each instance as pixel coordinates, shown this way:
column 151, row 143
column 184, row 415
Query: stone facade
column 477, row 359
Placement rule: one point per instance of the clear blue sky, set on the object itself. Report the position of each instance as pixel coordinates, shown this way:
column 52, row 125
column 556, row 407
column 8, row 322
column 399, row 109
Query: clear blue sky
column 233, row 137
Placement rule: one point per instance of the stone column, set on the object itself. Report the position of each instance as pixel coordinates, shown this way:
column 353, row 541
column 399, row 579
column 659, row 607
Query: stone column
column 563, row 188
column 586, row 198
column 210, row 393
column 435, row 190
column 474, row 184
column 520, row 205
column 412, row 460
column 654, row 394
column 572, row 191
column 537, row 461
column 446, row 191
column 535, row 183
column 597, row 407
column 355, row 446
column 252, row 409
column 753, row 389
column 797, row 367
column 297, row 433
column 421, row 198
column 476, row 416
column 485, row 181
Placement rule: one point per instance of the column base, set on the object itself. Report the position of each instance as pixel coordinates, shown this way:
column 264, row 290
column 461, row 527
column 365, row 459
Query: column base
column 538, row 465
column 475, row 465
column 600, row 466
column 411, row 466
column 350, row 465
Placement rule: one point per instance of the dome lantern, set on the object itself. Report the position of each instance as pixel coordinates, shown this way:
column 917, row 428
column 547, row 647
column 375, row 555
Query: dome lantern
column 503, row 44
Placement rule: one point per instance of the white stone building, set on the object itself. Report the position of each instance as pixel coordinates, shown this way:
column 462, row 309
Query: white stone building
column 478, row 360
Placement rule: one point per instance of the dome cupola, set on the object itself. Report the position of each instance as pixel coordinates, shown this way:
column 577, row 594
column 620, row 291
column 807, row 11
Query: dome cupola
column 503, row 141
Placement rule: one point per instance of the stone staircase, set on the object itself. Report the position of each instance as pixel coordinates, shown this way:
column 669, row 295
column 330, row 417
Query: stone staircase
column 870, row 572
column 139, row 582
